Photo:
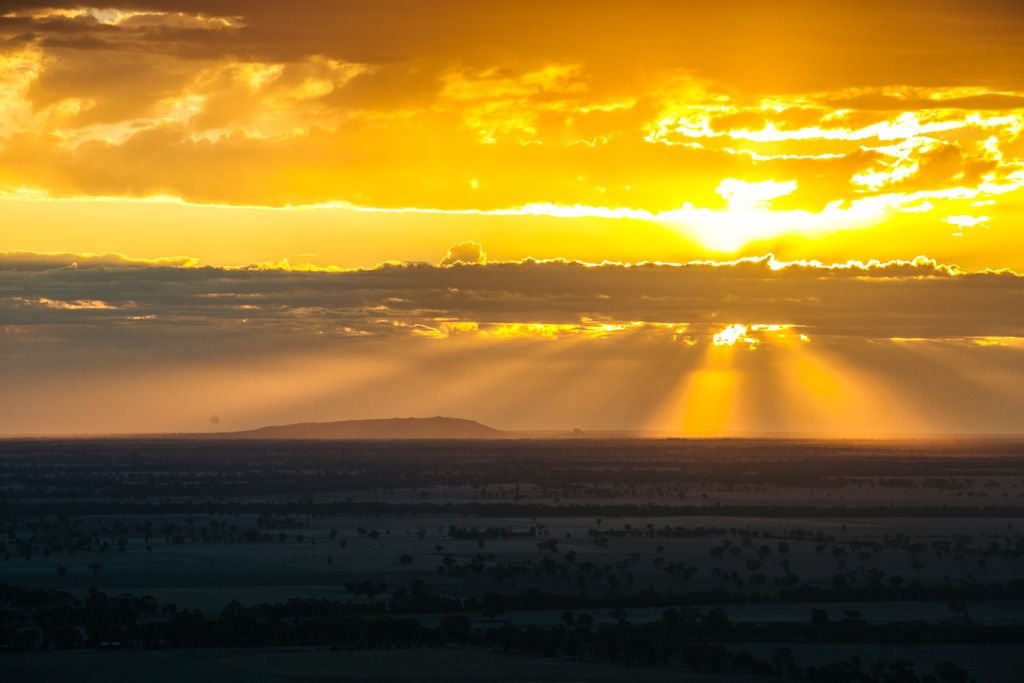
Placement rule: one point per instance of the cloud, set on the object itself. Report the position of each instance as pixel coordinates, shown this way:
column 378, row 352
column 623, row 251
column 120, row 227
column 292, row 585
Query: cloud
column 465, row 253
column 136, row 344
column 854, row 301
column 16, row 260
column 255, row 103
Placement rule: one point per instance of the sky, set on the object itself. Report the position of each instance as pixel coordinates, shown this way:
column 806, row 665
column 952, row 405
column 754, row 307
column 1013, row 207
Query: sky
column 698, row 219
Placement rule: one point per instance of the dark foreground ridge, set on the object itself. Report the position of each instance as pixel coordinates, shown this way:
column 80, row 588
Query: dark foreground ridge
column 392, row 428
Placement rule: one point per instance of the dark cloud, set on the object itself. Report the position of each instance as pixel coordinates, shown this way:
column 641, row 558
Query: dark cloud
column 126, row 345
column 750, row 44
column 919, row 299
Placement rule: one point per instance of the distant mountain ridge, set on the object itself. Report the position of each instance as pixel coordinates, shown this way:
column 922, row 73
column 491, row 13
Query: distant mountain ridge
column 390, row 428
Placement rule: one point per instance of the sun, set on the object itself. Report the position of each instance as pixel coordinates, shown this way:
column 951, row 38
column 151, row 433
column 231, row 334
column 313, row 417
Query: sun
column 749, row 215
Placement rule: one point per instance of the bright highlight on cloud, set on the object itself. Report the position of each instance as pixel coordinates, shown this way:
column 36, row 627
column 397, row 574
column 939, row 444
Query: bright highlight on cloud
column 733, row 334
column 464, row 253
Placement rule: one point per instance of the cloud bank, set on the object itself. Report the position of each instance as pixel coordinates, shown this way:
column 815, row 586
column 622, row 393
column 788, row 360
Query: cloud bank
column 860, row 301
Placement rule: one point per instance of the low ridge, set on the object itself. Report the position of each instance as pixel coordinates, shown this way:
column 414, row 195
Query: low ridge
column 391, row 428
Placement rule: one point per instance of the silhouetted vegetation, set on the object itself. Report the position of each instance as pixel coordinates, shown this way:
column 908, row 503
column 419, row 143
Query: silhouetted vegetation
column 627, row 552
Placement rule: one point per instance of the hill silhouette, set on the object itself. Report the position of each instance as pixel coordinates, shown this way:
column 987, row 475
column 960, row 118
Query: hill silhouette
column 391, row 428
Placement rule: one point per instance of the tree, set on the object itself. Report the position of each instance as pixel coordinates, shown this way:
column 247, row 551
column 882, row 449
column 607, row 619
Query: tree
column 717, row 619
column 455, row 626
column 492, row 605
column 948, row 672
column 782, row 659
column 958, row 608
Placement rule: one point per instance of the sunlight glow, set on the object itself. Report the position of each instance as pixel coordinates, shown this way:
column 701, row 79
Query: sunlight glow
column 732, row 335
column 744, row 196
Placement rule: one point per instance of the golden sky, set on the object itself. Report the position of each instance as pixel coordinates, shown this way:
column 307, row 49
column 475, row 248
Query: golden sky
column 207, row 204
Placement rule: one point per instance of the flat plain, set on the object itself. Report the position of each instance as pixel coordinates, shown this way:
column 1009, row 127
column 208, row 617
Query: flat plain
column 781, row 550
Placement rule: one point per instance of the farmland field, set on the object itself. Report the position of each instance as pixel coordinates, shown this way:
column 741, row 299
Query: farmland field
column 796, row 553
